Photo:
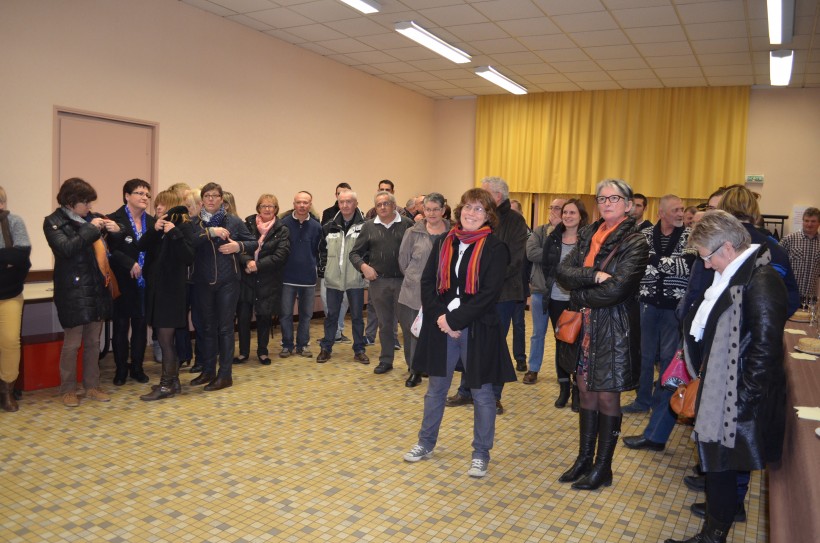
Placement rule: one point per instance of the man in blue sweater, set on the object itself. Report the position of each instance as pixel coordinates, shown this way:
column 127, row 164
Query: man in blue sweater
column 299, row 276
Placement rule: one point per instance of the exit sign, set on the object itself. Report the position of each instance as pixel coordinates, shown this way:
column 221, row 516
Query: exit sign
column 754, row 178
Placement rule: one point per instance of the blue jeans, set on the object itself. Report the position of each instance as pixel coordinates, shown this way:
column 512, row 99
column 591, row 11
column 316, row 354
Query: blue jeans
column 306, row 297
column 519, row 332
column 553, row 310
column 483, row 400
column 660, row 333
column 217, row 304
column 342, row 311
column 355, row 297
column 505, row 313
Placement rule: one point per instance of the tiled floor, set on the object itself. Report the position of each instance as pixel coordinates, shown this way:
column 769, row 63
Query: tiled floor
column 299, row 451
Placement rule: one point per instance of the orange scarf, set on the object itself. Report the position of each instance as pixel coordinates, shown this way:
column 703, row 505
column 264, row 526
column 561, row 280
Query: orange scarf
column 101, row 254
column 598, row 240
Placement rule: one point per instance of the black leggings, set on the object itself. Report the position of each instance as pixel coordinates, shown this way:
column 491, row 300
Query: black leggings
column 606, row 403
column 721, row 495
column 165, row 336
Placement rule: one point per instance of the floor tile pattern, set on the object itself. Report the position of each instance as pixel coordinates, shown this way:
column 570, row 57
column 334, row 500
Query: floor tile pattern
column 300, row 451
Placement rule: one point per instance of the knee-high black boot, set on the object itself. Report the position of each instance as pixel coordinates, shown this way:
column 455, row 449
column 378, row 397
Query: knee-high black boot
column 713, row 531
column 575, row 403
column 609, row 428
column 588, row 430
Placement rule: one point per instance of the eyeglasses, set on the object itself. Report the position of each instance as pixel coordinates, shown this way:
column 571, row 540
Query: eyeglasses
column 432, row 210
column 478, row 210
column 211, row 196
column 614, row 199
column 384, row 204
column 708, row 258
column 142, row 193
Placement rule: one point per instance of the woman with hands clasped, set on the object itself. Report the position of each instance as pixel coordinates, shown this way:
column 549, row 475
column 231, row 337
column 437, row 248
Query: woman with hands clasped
column 603, row 273
column 460, row 286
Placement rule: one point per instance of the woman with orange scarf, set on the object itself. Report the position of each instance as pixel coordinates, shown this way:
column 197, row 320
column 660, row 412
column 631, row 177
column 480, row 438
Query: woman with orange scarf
column 603, row 273
column 460, row 286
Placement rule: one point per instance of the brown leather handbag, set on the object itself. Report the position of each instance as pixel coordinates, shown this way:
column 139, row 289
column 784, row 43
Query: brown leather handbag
column 568, row 326
column 683, row 401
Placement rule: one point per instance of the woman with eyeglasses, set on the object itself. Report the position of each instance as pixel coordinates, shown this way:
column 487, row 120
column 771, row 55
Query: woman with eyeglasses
column 414, row 252
column 460, row 286
column 261, row 289
column 603, row 273
column 128, row 260
column 734, row 334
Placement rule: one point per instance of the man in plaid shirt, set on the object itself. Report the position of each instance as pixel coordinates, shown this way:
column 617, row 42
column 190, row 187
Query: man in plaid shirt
column 803, row 248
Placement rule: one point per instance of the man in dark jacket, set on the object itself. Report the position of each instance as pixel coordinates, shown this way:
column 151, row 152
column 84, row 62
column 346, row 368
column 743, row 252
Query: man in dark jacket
column 222, row 238
column 376, row 256
column 512, row 230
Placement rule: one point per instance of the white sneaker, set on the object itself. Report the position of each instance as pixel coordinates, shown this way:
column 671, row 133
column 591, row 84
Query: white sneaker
column 478, row 468
column 417, row 453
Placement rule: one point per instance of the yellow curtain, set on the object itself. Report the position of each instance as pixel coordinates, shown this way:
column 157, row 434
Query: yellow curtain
column 684, row 141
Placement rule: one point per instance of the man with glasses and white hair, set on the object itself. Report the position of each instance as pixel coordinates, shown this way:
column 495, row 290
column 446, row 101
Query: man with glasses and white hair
column 376, row 256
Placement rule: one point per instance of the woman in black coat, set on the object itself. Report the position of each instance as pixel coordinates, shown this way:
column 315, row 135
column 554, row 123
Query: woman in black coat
column 460, row 286
column 261, row 289
column 734, row 334
column 166, row 303
column 128, row 261
column 82, row 280
column 603, row 273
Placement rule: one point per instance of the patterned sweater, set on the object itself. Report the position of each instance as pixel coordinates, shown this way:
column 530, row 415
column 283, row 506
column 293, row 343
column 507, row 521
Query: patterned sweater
column 670, row 263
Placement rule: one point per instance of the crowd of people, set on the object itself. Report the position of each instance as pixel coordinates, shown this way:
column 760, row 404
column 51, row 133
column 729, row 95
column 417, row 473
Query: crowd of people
column 701, row 280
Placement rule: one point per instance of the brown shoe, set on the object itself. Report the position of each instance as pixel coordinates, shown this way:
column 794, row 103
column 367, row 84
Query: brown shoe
column 323, row 357
column 202, row 379
column 7, row 399
column 361, row 358
column 457, row 399
column 97, row 394
column 530, row 377
column 219, row 383
column 70, row 399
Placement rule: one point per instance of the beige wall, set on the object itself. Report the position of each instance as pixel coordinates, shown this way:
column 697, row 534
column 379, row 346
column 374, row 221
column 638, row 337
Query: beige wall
column 233, row 105
column 784, row 145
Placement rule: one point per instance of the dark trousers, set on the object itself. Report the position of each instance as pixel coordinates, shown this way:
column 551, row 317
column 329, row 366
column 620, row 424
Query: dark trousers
column 244, row 314
column 519, row 332
column 182, row 336
column 505, row 314
column 217, row 304
column 120, row 345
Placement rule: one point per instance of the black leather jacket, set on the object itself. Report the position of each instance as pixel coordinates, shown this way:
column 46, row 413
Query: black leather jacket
column 615, row 334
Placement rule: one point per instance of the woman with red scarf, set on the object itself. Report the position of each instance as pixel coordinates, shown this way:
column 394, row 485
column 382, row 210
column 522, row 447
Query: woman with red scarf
column 603, row 273
column 459, row 289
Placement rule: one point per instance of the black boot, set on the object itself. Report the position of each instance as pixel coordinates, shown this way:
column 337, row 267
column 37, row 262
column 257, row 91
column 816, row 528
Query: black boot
column 413, row 379
column 137, row 373
column 588, row 430
column 563, row 394
column 713, row 531
column 120, row 373
column 609, row 428
column 575, row 405
column 164, row 390
column 7, row 400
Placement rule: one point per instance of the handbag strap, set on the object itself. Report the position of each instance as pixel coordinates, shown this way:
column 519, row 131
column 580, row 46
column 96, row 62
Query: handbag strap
column 611, row 254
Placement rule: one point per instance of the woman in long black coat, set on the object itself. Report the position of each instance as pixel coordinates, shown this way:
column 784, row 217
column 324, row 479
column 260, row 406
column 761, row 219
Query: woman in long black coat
column 460, row 286
column 608, row 349
column 261, row 289
column 734, row 334
column 166, row 304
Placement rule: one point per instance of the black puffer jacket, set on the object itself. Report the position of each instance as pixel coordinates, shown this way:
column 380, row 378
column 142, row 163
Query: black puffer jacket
column 615, row 334
column 79, row 290
column 264, row 288
column 551, row 257
column 761, row 383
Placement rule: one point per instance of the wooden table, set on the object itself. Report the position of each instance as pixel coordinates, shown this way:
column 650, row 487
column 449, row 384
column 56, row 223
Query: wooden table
column 794, row 482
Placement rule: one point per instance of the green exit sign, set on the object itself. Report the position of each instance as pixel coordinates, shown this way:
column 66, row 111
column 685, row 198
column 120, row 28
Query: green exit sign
column 754, row 178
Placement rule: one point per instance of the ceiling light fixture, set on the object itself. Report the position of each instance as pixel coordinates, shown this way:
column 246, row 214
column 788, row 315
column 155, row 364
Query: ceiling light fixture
column 781, row 21
column 434, row 43
column 780, row 67
column 365, row 6
column 493, row 76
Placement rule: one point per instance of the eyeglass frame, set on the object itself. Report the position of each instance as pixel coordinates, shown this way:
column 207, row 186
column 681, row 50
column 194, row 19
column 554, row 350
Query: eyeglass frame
column 708, row 258
column 600, row 200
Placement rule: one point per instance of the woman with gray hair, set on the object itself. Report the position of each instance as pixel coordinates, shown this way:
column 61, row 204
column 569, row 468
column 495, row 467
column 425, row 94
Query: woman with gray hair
column 734, row 334
column 603, row 273
column 415, row 249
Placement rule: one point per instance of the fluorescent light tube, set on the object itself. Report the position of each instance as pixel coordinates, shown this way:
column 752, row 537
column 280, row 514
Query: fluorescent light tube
column 365, row 6
column 434, row 43
column 781, row 21
column 493, row 76
column 780, row 67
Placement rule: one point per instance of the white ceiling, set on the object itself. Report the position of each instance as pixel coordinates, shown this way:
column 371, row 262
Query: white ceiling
column 545, row 45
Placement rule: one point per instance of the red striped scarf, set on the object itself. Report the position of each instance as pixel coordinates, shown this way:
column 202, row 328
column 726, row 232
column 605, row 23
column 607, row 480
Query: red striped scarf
column 478, row 237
